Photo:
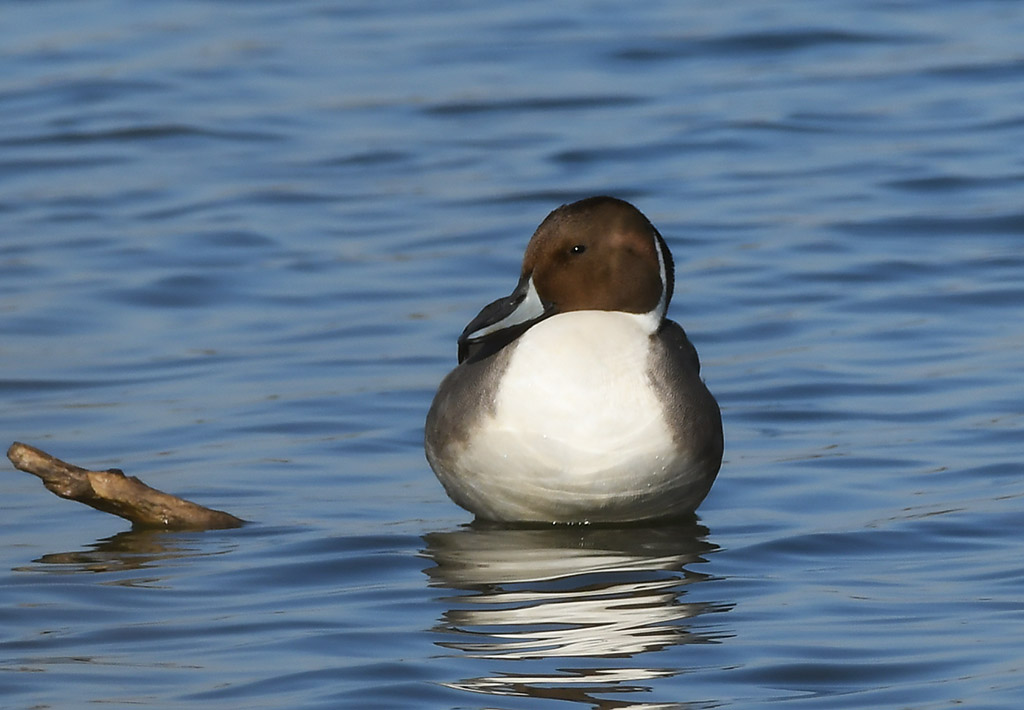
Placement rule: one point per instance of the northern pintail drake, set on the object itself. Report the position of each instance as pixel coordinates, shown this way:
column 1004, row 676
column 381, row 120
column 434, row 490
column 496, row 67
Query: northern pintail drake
column 575, row 399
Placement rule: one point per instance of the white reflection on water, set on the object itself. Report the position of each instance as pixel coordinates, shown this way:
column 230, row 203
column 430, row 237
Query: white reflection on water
column 578, row 597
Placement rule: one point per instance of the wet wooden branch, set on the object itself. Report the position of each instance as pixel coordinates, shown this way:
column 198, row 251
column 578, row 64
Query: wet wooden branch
column 113, row 492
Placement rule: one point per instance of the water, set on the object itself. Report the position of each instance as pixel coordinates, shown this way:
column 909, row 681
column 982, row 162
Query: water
column 237, row 244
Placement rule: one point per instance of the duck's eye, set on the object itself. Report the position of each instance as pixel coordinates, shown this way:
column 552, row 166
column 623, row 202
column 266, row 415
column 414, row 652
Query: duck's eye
column 578, row 249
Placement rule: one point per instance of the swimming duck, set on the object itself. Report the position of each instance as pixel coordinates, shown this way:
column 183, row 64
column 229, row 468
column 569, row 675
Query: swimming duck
column 575, row 400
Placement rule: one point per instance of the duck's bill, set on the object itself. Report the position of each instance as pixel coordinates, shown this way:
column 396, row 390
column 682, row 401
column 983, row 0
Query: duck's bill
column 502, row 321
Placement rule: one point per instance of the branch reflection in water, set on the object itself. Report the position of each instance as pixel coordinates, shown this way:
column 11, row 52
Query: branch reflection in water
column 129, row 551
column 570, row 613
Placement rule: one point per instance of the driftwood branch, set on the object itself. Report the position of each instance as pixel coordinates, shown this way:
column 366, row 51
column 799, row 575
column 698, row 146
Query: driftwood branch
column 113, row 492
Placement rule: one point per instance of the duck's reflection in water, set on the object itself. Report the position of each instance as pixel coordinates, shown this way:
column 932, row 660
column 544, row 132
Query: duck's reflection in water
column 575, row 612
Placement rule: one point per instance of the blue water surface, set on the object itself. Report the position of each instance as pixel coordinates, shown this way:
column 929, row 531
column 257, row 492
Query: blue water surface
column 238, row 240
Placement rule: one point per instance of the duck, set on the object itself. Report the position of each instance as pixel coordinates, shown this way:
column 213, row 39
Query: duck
column 575, row 400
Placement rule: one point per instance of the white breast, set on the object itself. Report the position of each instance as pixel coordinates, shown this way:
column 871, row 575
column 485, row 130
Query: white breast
column 576, row 392
column 576, row 423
